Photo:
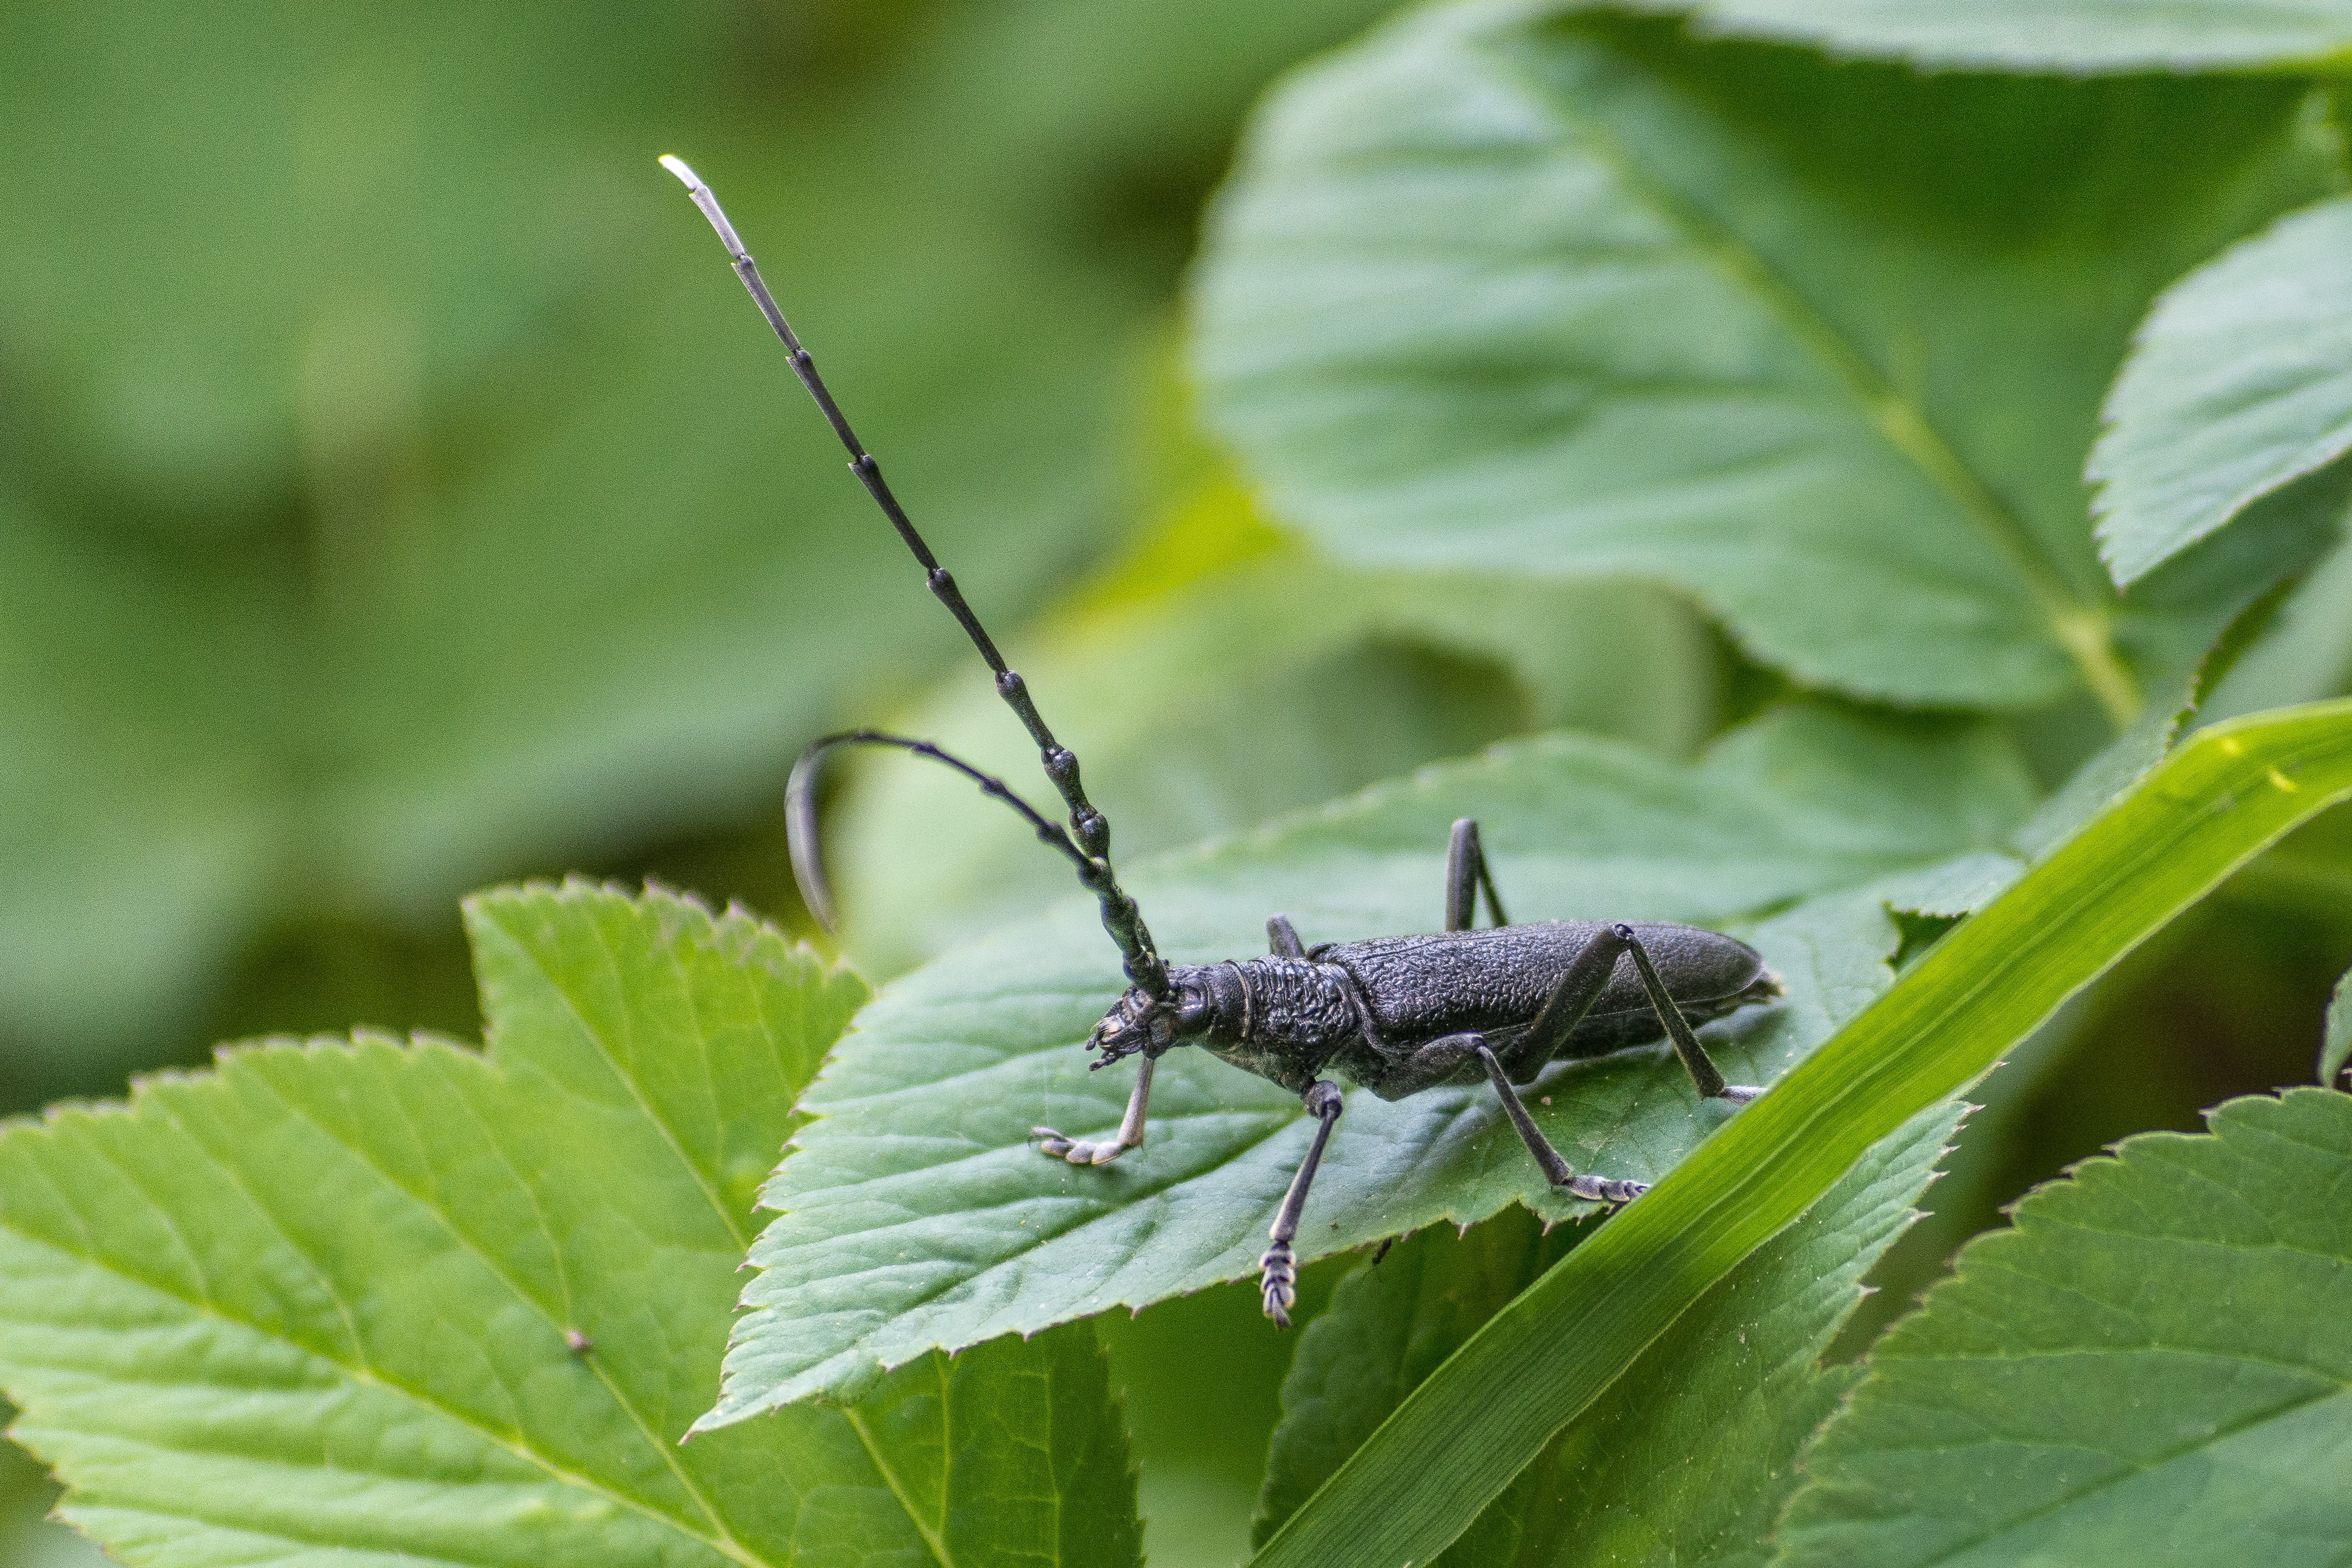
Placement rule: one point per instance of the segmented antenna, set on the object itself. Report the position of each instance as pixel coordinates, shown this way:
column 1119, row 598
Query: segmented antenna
column 1088, row 838
column 799, row 812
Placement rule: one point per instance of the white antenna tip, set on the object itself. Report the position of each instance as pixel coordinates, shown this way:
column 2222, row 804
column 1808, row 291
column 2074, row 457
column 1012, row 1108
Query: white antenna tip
column 677, row 165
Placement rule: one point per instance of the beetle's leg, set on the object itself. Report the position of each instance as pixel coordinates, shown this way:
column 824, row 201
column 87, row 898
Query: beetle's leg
column 1465, row 873
column 1702, row 1068
column 1558, row 1171
column 1278, row 1269
column 1441, row 1058
column 1282, row 939
column 1080, row 1151
column 1580, row 986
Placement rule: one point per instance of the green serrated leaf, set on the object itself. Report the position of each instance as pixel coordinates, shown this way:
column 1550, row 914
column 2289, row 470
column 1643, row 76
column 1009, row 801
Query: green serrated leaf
column 2076, row 38
column 381, row 1300
column 1460, row 1438
column 1577, row 295
column 917, row 1214
column 2237, row 386
column 2336, row 1045
column 1689, row 1456
column 2149, row 1367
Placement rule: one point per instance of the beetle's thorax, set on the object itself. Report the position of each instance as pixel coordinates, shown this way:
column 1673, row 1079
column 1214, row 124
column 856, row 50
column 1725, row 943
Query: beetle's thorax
column 1281, row 1018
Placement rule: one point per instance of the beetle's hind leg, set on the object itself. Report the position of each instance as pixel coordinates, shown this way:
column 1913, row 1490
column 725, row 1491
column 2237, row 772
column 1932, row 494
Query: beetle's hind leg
column 1701, row 1066
column 1465, row 874
column 1277, row 1271
column 1083, row 1151
column 1580, row 986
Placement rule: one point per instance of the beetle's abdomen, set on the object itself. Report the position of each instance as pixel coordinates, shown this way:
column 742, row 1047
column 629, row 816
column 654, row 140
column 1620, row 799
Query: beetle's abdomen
column 1420, row 987
column 1281, row 1018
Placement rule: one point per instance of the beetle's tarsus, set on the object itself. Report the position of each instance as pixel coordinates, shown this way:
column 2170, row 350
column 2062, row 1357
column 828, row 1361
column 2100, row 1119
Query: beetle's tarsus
column 1278, row 1269
column 1278, row 1282
column 1102, row 1152
column 1603, row 1190
column 1739, row 1093
column 1078, row 1151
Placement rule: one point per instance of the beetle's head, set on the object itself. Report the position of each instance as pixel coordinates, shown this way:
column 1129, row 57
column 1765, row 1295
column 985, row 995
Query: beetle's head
column 1138, row 1021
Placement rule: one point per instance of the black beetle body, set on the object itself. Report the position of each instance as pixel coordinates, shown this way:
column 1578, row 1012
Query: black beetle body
column 1396, row 1015
column 1288, row 1019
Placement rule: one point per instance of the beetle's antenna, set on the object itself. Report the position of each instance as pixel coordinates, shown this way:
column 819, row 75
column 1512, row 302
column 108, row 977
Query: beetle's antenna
column 799, row 812
column 1090, row 831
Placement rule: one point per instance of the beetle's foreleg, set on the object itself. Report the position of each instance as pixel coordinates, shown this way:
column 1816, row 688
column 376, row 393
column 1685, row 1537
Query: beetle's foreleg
column 1278, row 1269
column 1555, row 1170
column 1465, row 873
column 1082, row 1152
column 1702, row 1068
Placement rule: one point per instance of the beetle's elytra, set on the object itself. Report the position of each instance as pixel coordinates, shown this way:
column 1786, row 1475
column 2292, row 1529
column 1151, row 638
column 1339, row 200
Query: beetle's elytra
column 1397, row 1015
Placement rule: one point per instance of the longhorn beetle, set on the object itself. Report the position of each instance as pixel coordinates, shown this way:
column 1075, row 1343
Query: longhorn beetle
column 1396, row 1015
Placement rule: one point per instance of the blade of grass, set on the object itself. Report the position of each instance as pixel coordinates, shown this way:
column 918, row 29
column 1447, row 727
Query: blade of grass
column 1458, row 1440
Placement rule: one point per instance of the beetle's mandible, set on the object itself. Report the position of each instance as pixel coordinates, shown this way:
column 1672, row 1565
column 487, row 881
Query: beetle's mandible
column 1396, row 1015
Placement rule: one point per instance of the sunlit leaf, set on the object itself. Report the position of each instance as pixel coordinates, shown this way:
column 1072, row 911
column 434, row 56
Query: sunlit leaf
column 2149, row 1367
column 365, row 1300
column 915, row 1213
column 1823, row 343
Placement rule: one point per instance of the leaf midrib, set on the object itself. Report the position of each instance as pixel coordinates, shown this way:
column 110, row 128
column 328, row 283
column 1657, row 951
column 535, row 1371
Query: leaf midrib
column 627, row 1080
column 888, row 1475
column 931, row 1542
column 666, row 1452
column 2081, row 630
column 367, row 1376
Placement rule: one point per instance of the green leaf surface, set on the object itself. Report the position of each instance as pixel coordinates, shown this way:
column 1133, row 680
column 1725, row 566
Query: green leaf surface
column 316, row 1303
column 2151, row 1367
column 2237, row 386
column 1822, row 343
column 2336, row 1045
column 1389, row 1325
column 1279, row 682
column 1689, row 1456
column 916, row 1215
column 398, row 491
column 1460, row 1438
column 2075, row 38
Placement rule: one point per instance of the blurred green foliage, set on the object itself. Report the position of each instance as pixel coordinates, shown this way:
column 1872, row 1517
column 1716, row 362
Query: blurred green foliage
column 396, row 495
column 382, row 509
